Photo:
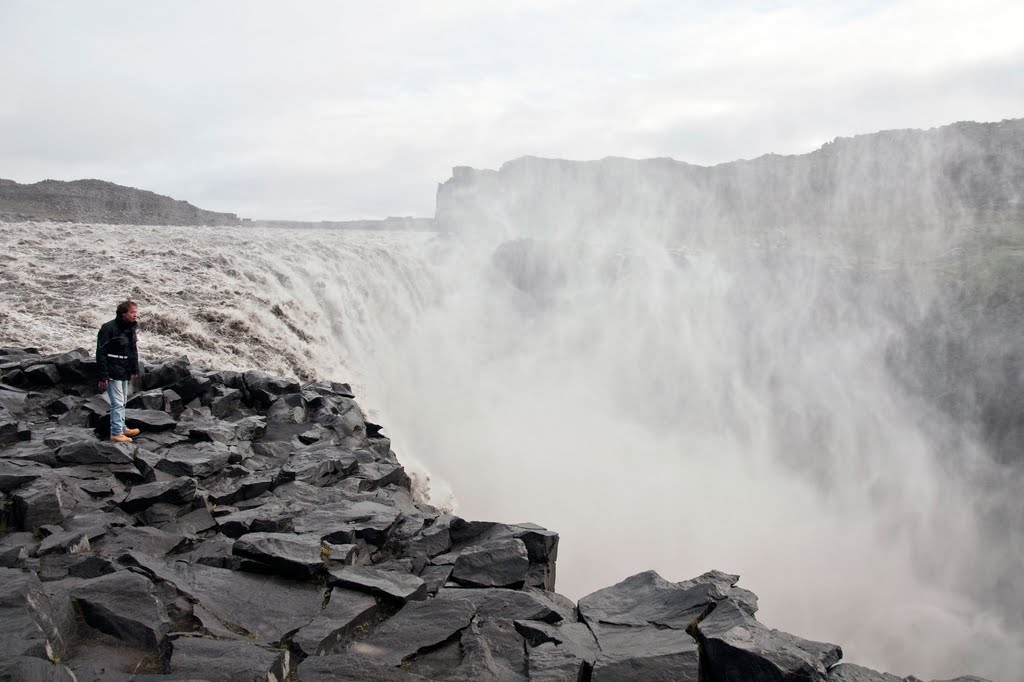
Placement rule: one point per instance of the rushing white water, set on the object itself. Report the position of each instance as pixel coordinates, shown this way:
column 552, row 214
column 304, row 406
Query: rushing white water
column 660, row 407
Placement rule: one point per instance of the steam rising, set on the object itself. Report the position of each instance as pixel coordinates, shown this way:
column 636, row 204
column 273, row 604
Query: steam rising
column 662, row 402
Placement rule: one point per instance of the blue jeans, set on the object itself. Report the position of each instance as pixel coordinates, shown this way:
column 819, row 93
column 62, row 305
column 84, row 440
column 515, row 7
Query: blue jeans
column 117, row 391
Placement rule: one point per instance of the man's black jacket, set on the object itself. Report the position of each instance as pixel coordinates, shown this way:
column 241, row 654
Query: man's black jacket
column 117, row 356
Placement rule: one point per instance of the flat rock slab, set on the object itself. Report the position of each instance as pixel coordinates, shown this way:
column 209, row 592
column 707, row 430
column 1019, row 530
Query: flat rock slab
column 231, row 660
column 197, row 461
column 123, row 606
column 286, row 554
column 265, row 607
column 503, row 603
column 33, row 623
column 399, row 586
column 494, row 563
column 346, row 611
column 647, row 653
column 181, row 490
column 345, row 522
column 738, row 647
column 92, row 451
column 419, row 626
column 149, row 420
column 648, row 599
column 346, row 668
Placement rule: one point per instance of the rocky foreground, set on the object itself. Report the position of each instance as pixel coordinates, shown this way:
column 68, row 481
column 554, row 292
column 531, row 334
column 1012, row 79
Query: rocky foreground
column 260, row 529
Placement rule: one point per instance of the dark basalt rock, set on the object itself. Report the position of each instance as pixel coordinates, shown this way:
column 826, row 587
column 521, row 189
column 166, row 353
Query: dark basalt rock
column 495, row 563
column 123, row 606
column 741, row 648
column 259, row 528
column 210, row 659
column 285, row 554
column 389, row 584
column 338, row 622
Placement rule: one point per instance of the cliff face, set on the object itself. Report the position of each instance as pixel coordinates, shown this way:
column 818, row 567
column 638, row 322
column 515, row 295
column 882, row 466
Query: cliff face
column 98, row 201
column 262, row 528
column 946, row 176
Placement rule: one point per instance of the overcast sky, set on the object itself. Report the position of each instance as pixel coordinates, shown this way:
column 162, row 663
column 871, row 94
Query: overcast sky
column 340, row 110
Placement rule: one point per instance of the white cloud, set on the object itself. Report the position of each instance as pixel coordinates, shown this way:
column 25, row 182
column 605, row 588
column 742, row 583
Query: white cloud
column 397, row 93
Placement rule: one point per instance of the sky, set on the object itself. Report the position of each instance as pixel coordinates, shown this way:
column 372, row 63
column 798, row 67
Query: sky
column 345, row 110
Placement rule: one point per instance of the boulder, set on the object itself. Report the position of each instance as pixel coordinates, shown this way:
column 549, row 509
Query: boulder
column 34, row 623
column 344, row 522
column 494, row 563
column 400, row 587
column 337, row 623
column 198, row 460
column 212, row 659
column 738, row 647
column 180, row 490
column 122, row 605
column 91, row 451
column 286, row 554
column 648, row 599
column 263, row 608
column 419, row 627
column 149, row 421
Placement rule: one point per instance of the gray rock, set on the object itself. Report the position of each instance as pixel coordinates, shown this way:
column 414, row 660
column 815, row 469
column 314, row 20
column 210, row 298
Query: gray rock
column 503, row 603
column 848, row 672
column 647, row 653
column 197, row 461
column 92, row 451
column 287, row 554
column 34, row 624
column 123, row 606
column 151, row 541
column 264, row 608
column 337, row 623
column 738, row 647
column 228, row 660
column 347, row 521
column 418, row 627
column 648, row 599
column 347, row 668
column 181, row 490
column 16, row 473
column 231, row 490
column 28, row 669
column 273, row 516
column 70, row 541
column 494, row 563
column 147, row 400
column 46, row 500
column 398, row 586
column 149, row 421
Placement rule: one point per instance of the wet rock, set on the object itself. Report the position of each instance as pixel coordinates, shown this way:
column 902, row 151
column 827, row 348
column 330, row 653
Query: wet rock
column 738, row 647
column 147, row 400
column 46, row 500
column 396, row 586
column 70, row 542
column 225, row 402
column 495, row 563
column 180, row 490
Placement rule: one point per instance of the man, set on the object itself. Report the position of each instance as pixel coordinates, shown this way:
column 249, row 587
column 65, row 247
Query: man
column 117, row 363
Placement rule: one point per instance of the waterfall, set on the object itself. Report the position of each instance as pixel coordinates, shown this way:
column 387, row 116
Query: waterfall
column 661, row 404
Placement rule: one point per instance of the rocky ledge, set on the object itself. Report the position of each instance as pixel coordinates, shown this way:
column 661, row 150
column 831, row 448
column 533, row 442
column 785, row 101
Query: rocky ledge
column 262, row 529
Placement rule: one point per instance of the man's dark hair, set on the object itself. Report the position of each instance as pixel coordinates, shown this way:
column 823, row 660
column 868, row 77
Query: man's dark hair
column 123, row 306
